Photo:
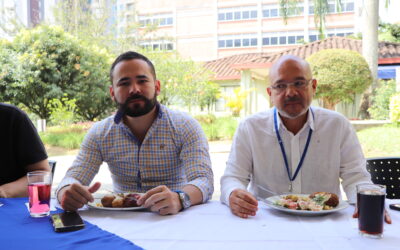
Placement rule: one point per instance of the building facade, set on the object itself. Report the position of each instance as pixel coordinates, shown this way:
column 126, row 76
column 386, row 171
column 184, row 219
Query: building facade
column 205, row 30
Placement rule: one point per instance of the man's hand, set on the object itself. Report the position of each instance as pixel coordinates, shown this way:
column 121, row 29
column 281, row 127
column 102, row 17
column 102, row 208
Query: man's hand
column 3, row 193
column 388, row 220
column 76, row 195
column 161, row 200
column 243, row 203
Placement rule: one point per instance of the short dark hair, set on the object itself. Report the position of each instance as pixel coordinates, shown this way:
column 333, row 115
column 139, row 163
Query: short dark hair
column 131, row 55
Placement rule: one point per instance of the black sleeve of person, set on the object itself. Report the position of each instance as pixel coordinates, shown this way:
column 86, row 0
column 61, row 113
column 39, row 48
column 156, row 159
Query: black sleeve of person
column 29, row 146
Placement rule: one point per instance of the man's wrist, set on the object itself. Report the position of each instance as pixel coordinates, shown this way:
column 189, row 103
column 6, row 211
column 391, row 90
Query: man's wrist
column 60, row 192
column 184, row 199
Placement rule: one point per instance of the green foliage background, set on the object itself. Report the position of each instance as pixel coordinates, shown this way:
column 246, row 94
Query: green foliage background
column 341, row 74
column 45, row 63
column 379, row 109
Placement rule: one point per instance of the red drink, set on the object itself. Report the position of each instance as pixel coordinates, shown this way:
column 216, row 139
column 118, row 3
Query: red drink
column 39, row 199
column 371, row 205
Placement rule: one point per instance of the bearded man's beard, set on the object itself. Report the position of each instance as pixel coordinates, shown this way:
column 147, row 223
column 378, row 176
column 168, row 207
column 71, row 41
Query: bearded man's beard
column 138, row 109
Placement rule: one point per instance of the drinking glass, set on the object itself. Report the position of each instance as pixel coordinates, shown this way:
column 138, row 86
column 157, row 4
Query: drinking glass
column 371, row 207
column 39, row 186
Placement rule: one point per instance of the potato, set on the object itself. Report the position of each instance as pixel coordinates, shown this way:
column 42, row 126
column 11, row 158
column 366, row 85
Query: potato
column 118, row 202
column 107, row 200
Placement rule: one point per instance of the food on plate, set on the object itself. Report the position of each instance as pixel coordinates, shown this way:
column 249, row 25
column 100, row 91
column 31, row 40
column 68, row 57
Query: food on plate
column 120, row 200
column 130, row 200
column 314, row 202
column 107, row 200
column 328, row 199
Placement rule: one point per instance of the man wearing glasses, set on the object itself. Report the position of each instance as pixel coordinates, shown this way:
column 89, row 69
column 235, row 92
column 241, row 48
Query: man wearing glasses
column 293, row 147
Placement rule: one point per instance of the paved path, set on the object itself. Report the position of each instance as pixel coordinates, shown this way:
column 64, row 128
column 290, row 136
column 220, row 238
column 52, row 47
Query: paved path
column 219, row 152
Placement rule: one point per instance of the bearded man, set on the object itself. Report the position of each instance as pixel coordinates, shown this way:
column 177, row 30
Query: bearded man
column 148, row 148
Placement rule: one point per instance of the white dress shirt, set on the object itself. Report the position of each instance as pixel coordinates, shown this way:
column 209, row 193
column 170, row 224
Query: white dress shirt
column 334, row 154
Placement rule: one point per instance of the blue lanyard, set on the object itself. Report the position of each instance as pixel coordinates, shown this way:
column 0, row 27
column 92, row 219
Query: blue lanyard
column 283, row 149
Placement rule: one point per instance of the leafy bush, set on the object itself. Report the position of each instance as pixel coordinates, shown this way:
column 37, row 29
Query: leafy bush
column 69, row 137
column 62, row 112
column 44, row 63
column 395, row 108
column 341, row 74
column 379, row 109
column 220, row 128
column 207, row 119
column 236, row 101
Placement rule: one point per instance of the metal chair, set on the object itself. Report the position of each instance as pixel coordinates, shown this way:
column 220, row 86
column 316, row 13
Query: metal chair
column 386, row 171
column 52, row 167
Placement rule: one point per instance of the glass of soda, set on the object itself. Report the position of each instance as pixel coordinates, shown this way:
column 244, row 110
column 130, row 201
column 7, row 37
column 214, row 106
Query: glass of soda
column 39, row 187
column 371, row 207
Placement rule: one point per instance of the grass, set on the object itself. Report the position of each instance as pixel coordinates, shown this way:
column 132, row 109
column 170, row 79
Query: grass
column 68, row 138
column 381, row 141
column 222, row 128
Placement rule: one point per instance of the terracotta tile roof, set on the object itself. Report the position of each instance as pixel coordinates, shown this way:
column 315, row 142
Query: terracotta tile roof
column 223, row 67
column 228, row 67
column 386, row 49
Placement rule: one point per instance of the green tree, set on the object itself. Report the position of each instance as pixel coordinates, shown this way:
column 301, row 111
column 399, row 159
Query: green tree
column 47, row 62
column 96, row 23
column 389, row 32
column 341, row 74
column 183, row 81
column 379, row 109
column 209, row 95
column 7, row 68
column 395, row 108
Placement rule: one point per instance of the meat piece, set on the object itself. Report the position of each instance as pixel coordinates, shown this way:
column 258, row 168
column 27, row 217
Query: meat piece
column 118, row 202
column 328, row 199
column 130, row 200
column 107, row 200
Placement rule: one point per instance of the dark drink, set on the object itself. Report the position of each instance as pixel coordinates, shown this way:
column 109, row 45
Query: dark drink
column 371, row 206
column 39, row 199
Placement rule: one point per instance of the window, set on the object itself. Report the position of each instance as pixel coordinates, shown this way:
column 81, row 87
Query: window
column 346, row 6
column 339, row 32
column 313, row 38
column 283, row 38
column 157, row 19
column 237, row 13
column 158, row 45
column 292, row 40
column 273, row 10
column 246, row 42
column 270, row 10
column 237, row 41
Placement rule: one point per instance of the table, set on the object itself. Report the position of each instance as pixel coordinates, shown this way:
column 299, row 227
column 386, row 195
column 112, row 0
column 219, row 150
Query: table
column 213, row 226
column 20, row 231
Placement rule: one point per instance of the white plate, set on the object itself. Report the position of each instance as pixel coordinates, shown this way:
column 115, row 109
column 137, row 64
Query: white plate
column 271, row 203
column 97, row 205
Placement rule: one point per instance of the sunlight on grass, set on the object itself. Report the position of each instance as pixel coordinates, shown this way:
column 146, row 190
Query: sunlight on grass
column 380, row 141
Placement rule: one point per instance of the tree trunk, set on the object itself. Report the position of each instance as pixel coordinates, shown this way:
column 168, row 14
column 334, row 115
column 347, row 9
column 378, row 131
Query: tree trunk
column 370, row 17
column 328, row 104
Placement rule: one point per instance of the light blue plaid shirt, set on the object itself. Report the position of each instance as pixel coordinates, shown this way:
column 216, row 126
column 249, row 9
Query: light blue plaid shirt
column 173, row 153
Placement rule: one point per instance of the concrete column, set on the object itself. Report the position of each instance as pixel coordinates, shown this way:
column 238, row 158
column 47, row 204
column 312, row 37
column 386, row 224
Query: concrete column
column 245, row 84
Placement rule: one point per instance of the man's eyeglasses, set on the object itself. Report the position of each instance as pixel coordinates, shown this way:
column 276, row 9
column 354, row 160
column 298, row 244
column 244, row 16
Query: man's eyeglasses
column 298, row 84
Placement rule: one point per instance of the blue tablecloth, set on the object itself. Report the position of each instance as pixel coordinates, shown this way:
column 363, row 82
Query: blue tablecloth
column 20, row 231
